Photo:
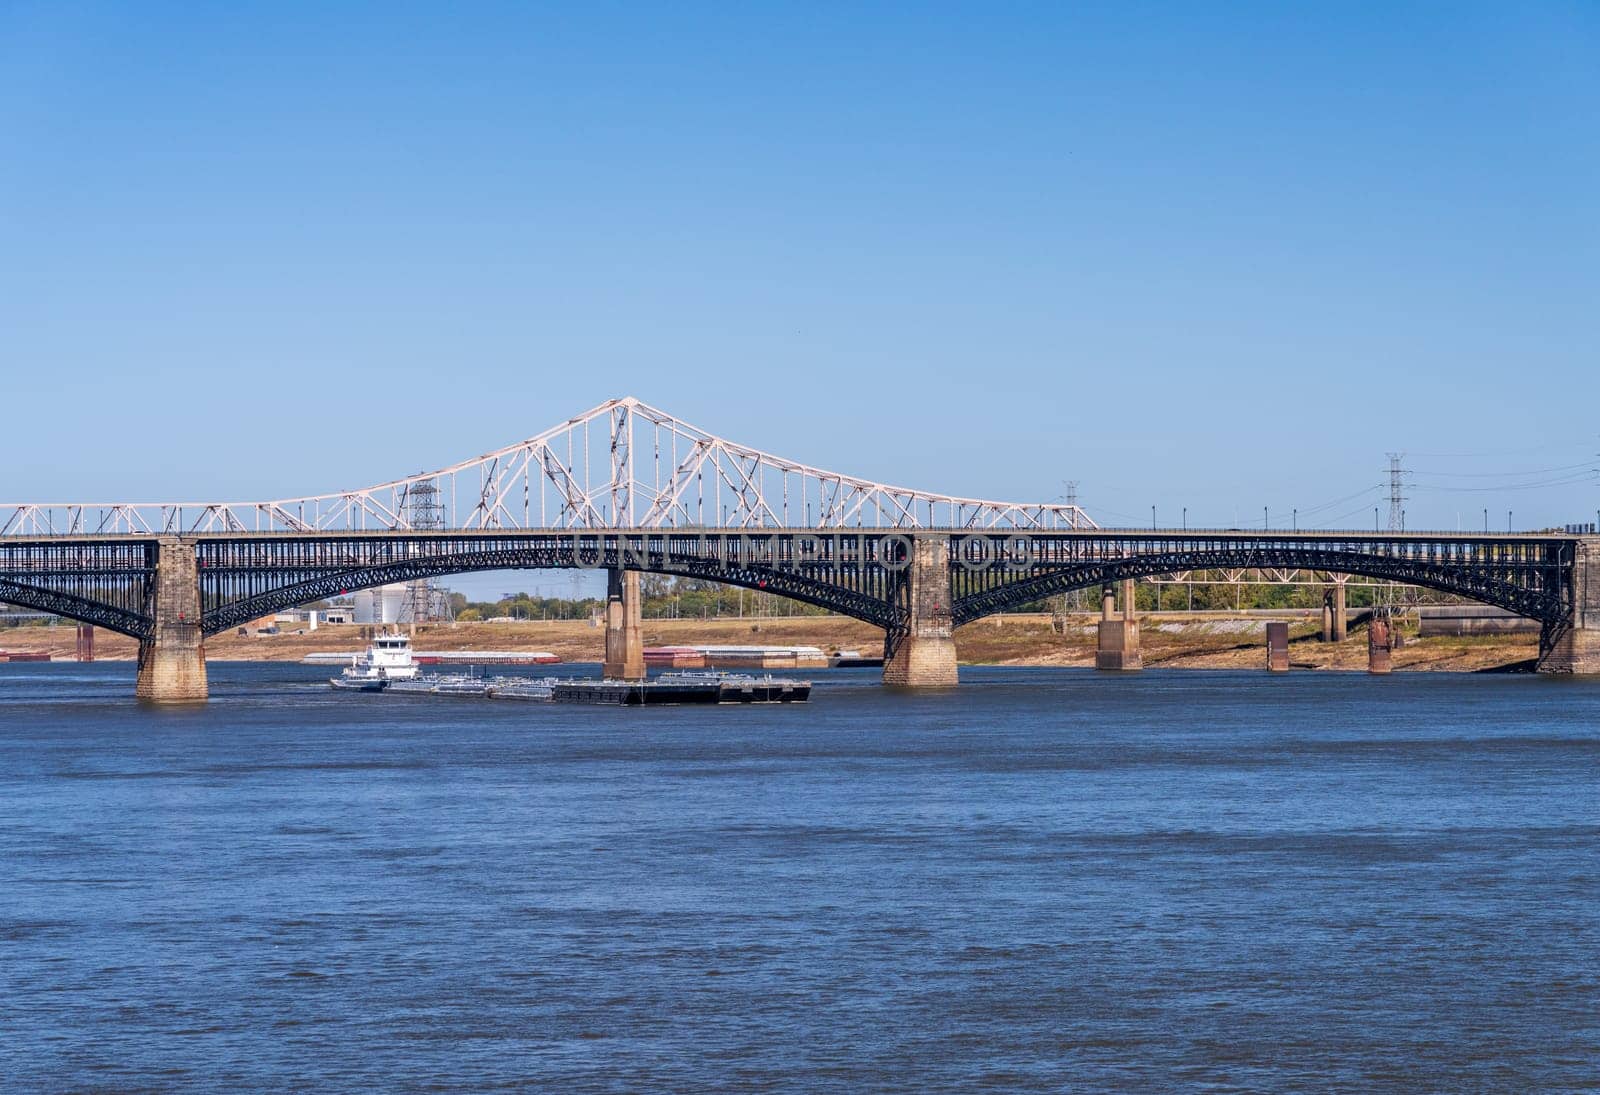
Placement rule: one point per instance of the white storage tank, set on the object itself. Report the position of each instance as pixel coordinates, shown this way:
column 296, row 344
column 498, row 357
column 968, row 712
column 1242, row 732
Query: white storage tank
column 382, row 605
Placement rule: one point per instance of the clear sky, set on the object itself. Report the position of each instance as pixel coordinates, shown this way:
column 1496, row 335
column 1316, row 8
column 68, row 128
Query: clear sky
column 1214, row 256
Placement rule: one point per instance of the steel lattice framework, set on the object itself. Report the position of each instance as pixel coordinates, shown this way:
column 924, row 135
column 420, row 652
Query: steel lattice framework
column 626, row 485
column 1528, row 575
column 622, row 465
column 107, row 580
column 103, row 580
column 856, row 574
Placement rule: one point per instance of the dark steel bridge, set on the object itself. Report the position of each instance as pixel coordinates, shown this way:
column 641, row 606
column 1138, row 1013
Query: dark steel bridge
column 626, row 487
column 110, row 580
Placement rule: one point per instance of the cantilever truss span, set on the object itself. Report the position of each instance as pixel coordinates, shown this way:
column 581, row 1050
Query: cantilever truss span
column 621, row 465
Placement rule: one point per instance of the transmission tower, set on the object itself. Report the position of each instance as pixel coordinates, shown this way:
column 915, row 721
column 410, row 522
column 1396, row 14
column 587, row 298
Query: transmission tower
column 1393, row 596
column 1397, row 497
column 424, row 512
column 1070, row 495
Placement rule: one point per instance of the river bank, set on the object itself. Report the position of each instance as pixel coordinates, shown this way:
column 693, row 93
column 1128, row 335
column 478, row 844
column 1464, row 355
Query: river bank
column 1170, row 640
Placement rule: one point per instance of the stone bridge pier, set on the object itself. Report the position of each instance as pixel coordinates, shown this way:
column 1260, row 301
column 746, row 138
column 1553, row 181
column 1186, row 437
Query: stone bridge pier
column 172, row 661
column 1574, row 648
column 624, row 639
column 924, row 655
column 1117, row 647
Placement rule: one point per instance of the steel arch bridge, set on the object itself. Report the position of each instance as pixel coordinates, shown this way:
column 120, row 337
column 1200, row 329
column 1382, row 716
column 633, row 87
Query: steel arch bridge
column 626, row 486
column 107, row 580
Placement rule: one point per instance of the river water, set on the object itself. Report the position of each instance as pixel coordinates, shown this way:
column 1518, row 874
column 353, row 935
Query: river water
column 1048, row 880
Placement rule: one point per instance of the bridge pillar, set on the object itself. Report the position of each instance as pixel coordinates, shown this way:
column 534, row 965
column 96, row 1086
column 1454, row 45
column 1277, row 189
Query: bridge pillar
column 924, row 656
column 1118, row 647
column 1277, row 646
column 1380, row 645
column 1335, row 617
column 624, row 641
column 172, row 661
column 1574, row 648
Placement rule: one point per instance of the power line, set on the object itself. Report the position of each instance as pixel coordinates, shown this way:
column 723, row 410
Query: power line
column 1130, row 518
column 1333, row 522
column 1590, row 476
column 1341, row 501
column 1587, row 465
column 1548, row 447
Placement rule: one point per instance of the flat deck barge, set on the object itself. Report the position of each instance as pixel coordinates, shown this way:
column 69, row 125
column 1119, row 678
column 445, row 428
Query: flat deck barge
column 666, row 689
column 682, row 688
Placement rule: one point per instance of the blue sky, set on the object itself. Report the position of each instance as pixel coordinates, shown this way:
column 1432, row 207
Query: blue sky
column 1189, row 255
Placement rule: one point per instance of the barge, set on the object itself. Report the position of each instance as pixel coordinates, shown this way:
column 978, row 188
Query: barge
column 451, row 657
column 388, row 666
column 682, row 688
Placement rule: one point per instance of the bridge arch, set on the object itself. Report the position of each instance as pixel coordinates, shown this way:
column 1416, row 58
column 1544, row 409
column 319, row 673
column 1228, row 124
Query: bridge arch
column 112, row 617
column 220, row 613
column 1545, row 605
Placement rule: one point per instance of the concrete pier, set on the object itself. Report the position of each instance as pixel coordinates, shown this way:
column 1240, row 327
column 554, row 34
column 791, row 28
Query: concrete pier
column 624, row 641
column 172, row 662
column 1117, row 649
column 924, row 656
column 1277, row 647
column 1574, row 648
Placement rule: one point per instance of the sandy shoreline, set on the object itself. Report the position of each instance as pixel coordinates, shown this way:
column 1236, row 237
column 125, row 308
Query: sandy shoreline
column 1170, row 640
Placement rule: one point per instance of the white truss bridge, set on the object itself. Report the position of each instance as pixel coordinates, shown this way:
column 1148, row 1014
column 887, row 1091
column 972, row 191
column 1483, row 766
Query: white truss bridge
column 622, row 465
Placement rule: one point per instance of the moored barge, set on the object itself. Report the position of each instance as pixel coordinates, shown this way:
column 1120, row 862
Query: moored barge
column 663, row 690
column 682, row 688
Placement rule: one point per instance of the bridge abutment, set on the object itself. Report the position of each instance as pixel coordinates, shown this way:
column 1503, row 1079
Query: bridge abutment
column 624, row 639
column 1117, row 646
column 172, row 661
column 1573, row 648
column 924, row 656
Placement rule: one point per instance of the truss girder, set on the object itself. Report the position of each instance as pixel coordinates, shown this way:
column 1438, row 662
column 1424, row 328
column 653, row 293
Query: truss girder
column 102, row 582
column 601, row 471
column 1528, row 576
column 106, row 580
column 853, row 574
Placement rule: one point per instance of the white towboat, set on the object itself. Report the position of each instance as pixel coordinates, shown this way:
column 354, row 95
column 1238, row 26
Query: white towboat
column 387, row 659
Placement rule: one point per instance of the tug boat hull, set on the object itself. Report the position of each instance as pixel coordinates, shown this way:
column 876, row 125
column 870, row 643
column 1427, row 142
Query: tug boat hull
column 358, row 684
